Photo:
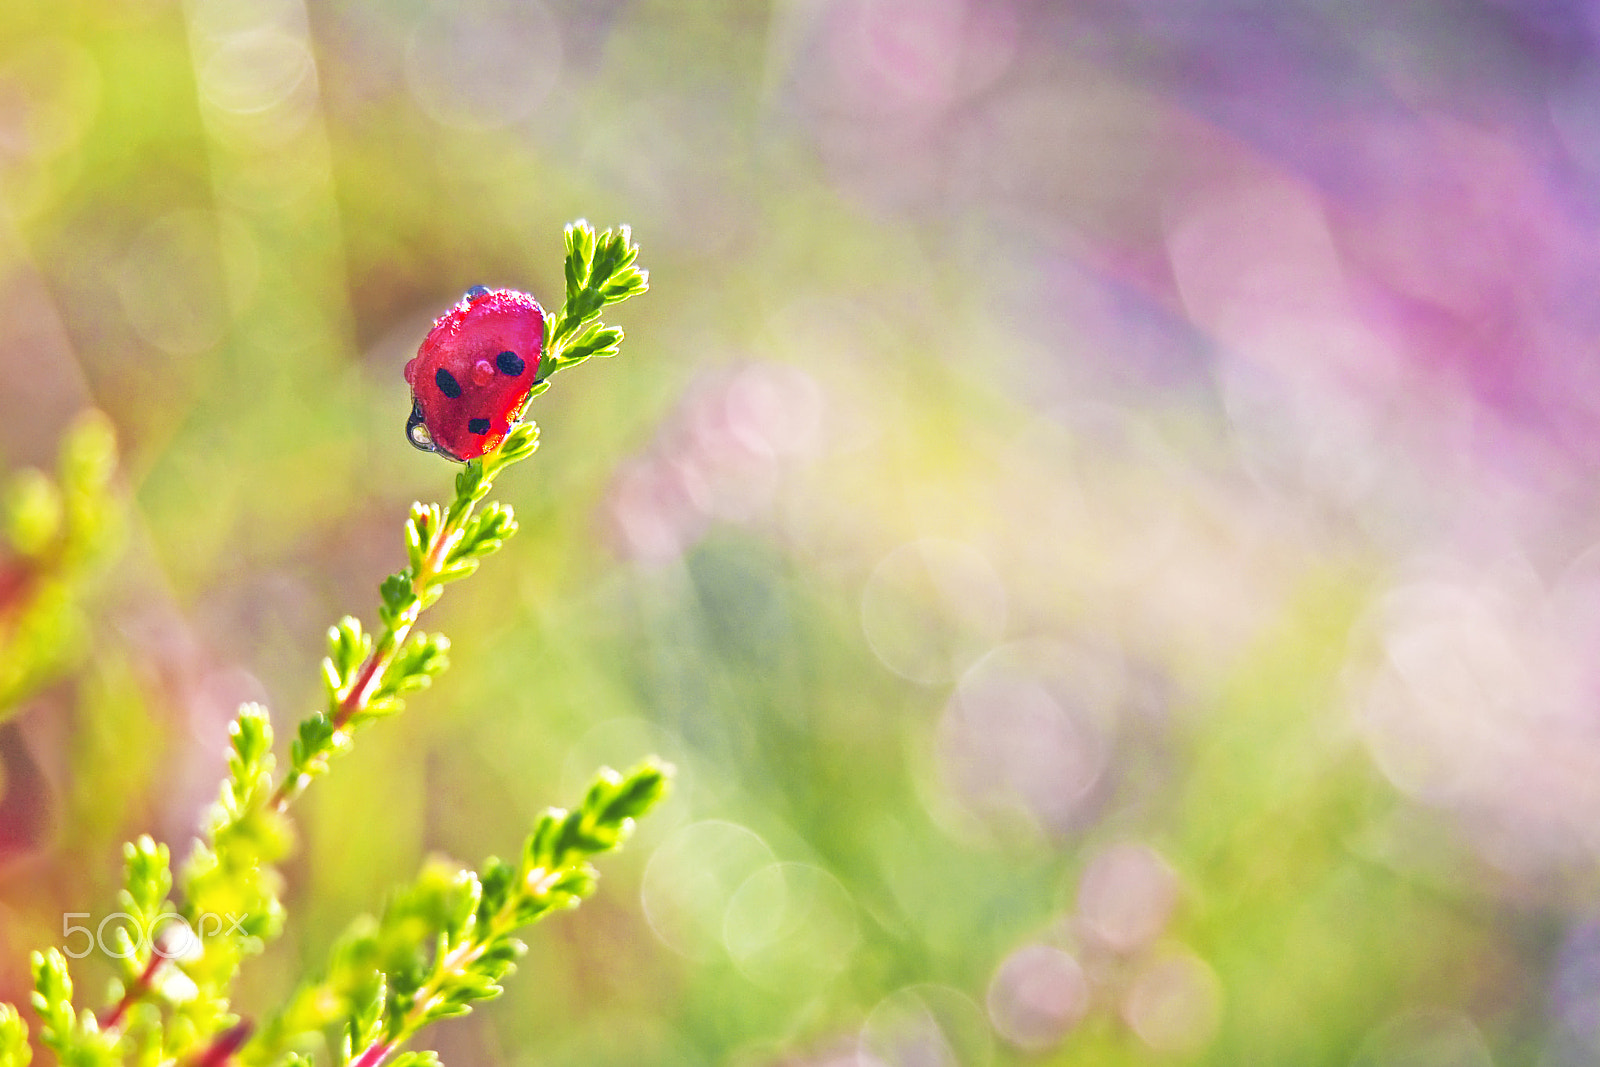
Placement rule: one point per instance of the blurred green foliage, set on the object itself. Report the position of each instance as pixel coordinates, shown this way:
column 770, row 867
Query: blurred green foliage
column 56, row 528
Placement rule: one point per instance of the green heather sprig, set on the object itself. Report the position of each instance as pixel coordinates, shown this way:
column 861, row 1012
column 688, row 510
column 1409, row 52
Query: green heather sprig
column 364, row 676
column 54, row 530
column 13, row 1037
column 446, row 942
column 442, row 944
column 600, row 272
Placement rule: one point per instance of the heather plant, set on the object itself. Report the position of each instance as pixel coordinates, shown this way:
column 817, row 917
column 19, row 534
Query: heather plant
column 55, row 531
column 442, row 943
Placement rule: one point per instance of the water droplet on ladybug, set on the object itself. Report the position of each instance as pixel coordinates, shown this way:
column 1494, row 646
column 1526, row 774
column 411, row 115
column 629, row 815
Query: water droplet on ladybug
column 417, row 433
column 482, row 372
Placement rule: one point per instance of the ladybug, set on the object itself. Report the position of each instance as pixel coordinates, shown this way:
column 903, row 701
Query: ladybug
column 471, row 377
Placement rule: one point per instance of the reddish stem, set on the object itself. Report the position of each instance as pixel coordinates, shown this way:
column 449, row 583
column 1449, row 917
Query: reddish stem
column 372, row 1055
column 131, row 996
column 223, row 1046
column 18, row 579
column 359, row 692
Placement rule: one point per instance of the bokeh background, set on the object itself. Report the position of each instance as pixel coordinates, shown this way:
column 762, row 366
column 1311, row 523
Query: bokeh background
column 1098, row 504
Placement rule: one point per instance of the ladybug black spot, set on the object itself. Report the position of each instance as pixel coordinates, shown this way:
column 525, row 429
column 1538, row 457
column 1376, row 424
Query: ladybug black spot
column 447, row 384
column 509, row 363
column 478, row 425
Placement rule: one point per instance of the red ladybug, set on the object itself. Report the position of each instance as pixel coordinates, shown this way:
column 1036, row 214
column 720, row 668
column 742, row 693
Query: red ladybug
column 473, row 372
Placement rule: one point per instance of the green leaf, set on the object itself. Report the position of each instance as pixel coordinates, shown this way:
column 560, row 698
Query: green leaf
column 421, row 525
column 33, row 512
column 520, row 443
column 596, row 340
column 14, row 1050
column 470, row 485
column 580, row 243
column 250, row 735
column 416, row 1059
column 484, row 534
column 397, row 596
column 499, row 881
column 644, row 787
column 312, row 741
column 52, row 999
column 348, row 648
column 147, row 875
column 626, row 284
column 414, row 667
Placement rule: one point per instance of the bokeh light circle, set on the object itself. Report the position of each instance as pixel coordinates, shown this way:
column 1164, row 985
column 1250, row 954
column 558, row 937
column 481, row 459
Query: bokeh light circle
column 1029, row 731
column 932, row 607
column 790, row 927
column 691, row 878
column 1174, row 1004
column 926, row 1026
column 255, row 71
column 1126, row 895
column 1425, row 1037
column 50, row 89
column 173, row 283
column 775, row 407
column 1038, row 994
column 483, row 64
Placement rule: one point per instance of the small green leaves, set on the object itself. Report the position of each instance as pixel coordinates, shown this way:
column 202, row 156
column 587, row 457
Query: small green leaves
column 75, row 1039
column 397, row 597
column 519, row 444
column 618, row 799
column 348, row 648
column 600, row 271
column 420, row 529
column 250, row 766
column 146, row 877
column 579, row 239
column 250, row 743
column 484, row 534
column 414, row 667
column 33, row 512
column 229, row 885
column 14, row 1050
column 446, row 942
column 312, row 744
column 478, row 537
column 54, row 530
column 423, row 1058
column 52, row 999
column 146, row 881
column 594, row 339
column 472, row 482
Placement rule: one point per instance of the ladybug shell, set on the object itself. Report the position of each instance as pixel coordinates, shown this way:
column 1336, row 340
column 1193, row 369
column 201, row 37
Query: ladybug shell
column 474, row 369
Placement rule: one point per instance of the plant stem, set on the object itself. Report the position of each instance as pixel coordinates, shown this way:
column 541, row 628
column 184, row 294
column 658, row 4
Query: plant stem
column 458, row 959
column 389, row 642
column 136, row 991
column 223, row 1046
